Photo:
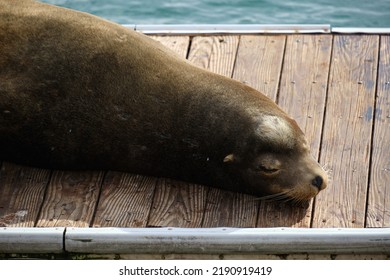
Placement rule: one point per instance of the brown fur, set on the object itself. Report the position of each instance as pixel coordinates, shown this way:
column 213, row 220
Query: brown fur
column 79, row 92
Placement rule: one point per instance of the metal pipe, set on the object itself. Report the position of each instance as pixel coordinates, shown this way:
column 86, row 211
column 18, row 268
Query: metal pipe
column 360, row 30
column 228, row 240
column 234, row 29
column 191, row 29
column 195, row 240
column 32, row 240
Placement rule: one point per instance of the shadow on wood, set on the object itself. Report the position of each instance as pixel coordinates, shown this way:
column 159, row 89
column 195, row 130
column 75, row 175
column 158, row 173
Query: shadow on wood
column 43, row 198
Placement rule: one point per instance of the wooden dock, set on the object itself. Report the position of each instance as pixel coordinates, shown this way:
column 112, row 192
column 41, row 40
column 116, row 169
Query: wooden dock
column 337, row 87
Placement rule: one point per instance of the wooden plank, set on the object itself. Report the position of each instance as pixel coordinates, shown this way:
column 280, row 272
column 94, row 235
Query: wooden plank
column 259, row 62
column 304, row 83
column 378, row 210
column 302, row 95
column 22, row 191
column 71, row 199
column 177, row 204
column 347, row 132
column 125, row 200
column 228, row 209
column 174, row 198
column 215, row 53
column 179, row 44
column 218, row 54
column 276, row 214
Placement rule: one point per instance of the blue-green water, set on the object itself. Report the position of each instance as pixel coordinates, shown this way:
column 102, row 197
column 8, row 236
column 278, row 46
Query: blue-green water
column 338, row 13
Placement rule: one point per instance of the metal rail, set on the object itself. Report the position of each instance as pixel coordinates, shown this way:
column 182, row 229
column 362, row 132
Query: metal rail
column 195, row 240
column 184, row 29
column 199, row 29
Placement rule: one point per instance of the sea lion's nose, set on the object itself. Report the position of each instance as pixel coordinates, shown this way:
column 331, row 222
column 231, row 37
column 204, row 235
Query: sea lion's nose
column 318, row 182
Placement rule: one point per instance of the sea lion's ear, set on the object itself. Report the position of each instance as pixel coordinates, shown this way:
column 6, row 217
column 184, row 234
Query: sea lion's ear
column 229, row 158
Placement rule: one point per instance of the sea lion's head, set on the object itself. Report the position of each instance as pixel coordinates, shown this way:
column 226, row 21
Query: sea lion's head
column 277, row 161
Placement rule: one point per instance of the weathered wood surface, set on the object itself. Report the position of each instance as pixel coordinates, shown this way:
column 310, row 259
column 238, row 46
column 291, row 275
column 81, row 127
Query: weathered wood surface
column 259, row 62
column 125, row 200
column 178, row 44
column 22, row 191
column 302, row 94
column 71, row 198
column 332, row 86
column 177, row 204
column 378, row 212
column 347, row 132
column 218, row 54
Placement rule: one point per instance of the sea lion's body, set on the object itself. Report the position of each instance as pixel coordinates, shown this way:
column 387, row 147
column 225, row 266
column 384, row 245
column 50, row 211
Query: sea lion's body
column 78, row 92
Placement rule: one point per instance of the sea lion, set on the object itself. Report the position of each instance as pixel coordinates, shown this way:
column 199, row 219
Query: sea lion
column 80, row 92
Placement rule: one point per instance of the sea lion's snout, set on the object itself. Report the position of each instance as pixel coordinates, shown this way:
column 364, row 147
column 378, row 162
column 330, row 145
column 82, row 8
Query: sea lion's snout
column 308, row 179
column 317, row 182
column 282, row 176
column 319, row 179
column 283, row 168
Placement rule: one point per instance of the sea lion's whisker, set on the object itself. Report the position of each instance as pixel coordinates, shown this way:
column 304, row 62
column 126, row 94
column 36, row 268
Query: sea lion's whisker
column 272, row 196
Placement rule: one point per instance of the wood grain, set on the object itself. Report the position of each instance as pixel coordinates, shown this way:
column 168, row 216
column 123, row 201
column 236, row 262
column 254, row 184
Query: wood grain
column 22, row 192
column 259, row 62
column 378, row 209
column 71, row 199
column 302, row 95
column 215, row 53
column 228, row 209
column 347, row 131
column 276, row 214
column 223, row 208
column 178, row 44
column 177, row 204
column 125, row 201
column 304, row 83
